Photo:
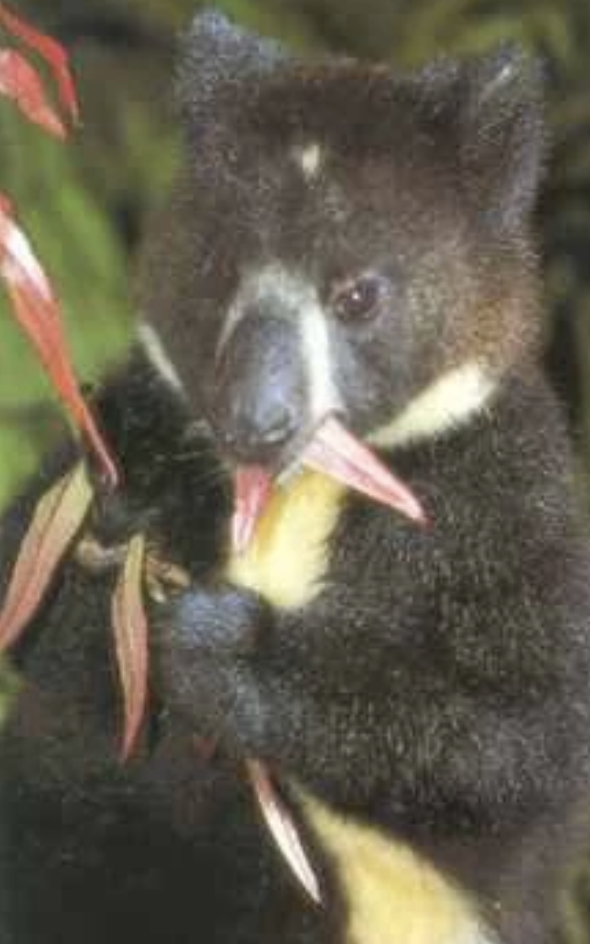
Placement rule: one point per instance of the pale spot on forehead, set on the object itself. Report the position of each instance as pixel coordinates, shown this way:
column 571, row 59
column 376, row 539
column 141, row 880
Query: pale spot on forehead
column 310, row 158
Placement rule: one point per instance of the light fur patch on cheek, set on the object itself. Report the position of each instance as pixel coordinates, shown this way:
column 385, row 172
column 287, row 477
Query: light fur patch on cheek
column 447, row 403
column 157, row 356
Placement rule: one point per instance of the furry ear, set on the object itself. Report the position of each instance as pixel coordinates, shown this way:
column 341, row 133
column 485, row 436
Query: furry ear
column 215, row 55
column 503, row 135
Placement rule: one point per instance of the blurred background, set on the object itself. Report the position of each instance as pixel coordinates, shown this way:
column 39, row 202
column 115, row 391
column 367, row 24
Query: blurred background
column 84, row 204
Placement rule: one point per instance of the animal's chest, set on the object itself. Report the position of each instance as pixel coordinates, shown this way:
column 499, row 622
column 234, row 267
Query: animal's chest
column 288, row 557
column 392, row 896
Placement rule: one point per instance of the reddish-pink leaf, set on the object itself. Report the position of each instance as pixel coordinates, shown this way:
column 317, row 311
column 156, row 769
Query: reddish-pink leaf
column 131, row 641
column 51, row 51
column 20, row 82
column 38, row 312
column 283, row 829
column 338, row 453
column 252, row 490
column 57, row 519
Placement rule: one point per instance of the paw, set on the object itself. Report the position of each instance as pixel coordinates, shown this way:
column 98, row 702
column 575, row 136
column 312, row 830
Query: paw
column 207, row 642
column 224, row 622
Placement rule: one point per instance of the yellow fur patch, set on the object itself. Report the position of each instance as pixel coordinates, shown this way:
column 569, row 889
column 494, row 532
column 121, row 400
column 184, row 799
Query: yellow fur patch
column 288, row 557
column 393, row 896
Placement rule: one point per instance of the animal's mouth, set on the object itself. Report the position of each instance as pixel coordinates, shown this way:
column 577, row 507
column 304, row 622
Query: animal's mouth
column 333, row 450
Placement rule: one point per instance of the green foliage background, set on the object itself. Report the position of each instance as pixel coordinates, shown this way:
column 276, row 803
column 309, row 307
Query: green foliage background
column 84, row 204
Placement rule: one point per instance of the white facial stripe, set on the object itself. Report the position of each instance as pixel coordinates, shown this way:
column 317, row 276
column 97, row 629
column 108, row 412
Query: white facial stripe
column 295, row 299
column 158, row 357
column 262, row 284
column 315, row 343
column 447, row 403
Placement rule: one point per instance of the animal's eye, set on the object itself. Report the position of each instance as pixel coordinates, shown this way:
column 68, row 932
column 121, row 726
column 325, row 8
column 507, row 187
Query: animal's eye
column 359, row 300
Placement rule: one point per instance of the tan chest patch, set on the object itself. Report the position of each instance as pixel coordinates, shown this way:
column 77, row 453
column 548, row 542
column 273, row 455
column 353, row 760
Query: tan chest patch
column 288, row 557
column 393, row 896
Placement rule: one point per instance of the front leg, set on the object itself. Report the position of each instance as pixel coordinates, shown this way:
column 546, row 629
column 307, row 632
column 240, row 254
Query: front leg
column 207, row 644
column 356, row 712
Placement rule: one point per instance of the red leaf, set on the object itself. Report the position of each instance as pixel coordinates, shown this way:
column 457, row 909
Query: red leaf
column 58, row 517
column 20, row 81
column 38, row 312
column 51, row 51
column 338, row 453
column 252, row 490
column 131, row 641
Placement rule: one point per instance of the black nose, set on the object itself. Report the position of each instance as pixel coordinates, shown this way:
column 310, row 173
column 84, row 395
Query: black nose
column 259, row 399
